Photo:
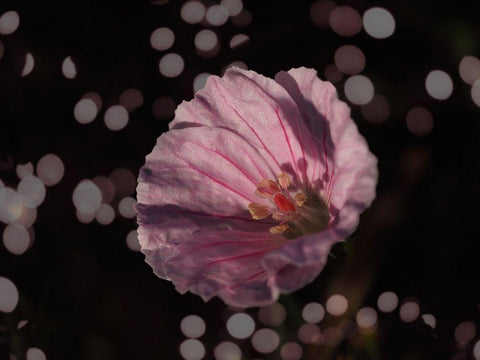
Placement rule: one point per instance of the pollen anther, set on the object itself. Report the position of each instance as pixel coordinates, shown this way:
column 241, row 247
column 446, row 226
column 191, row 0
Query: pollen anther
column 258, row 211
column 267, row 188
column 279, row 229
column 284, row 180
column 300, row 199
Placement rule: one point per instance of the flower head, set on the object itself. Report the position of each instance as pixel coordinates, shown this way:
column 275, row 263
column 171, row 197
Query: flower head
column 256, row 180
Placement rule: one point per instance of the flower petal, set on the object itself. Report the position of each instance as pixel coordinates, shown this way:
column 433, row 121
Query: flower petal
column 196, row 178
column 298, row 262
column 225, row 264
column 207, row 169
column 351, row 172
column 163, row 227
column 349, row 178
column 315, row 100
column 260, row 110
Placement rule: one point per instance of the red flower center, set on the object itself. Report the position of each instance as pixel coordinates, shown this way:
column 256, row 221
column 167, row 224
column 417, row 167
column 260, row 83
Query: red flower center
column 295, row 216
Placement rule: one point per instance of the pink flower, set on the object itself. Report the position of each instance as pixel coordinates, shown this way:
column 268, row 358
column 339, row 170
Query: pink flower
column 256, row 180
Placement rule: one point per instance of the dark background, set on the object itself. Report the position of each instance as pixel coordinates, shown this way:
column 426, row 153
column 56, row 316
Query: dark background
column 87, row 296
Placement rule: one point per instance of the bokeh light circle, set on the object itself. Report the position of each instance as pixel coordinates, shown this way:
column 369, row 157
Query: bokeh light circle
column 337, row 305
column 192, row 326
column 87, row 197
column 240, row 325
column 85, row 218
column 349, row 59
column 21, row 324
column 469, row 69
column 227, row 351
column 35, row 354
column 11, row 205
column 9, row 22
column 309, row 334
column 332, row 74
column 126, row 207
column 366, row 318
column 387, row 302
column 192, row 12
column 69, row 70
column 430, row 320
column 475, row 92
column 291, row 351
column 192, row 349
column 116, row 117
column 85, row 111
column 32, row 190
column 313, row 313
column 234, row 7
column 16, row 238
column 409, row 311
column 243, row 19
column 217, row 15
column 272, row 315
column 106, row 187
column 27, row 216
column 320, row 12
column 29, row 64
column 50, row 169
column 131, row 99
column 345, row 21
column 476, row 350
column 205, row 40
column 132, row 241
column 378, row 23
column 465, row 332
column 23, row 170
column 124, row 181
column 162, row 38
column 171, row 65
column 439, row 84
column 95, row 97
column 200, row 81
column 238, row 64
column 105, row 214
column 419, row 121
column 238, row 40
column 8, row 295
column 359, row 89
column 265, row 341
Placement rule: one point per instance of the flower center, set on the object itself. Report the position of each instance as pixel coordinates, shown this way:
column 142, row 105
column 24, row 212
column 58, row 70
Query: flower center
column 298, row 215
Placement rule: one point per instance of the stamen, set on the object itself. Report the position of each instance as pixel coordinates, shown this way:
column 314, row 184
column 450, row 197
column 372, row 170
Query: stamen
column 267, row 188
column 284, row 180
column 280, row 216
column 300, row 199
column 279, row 229
column 258, row 211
